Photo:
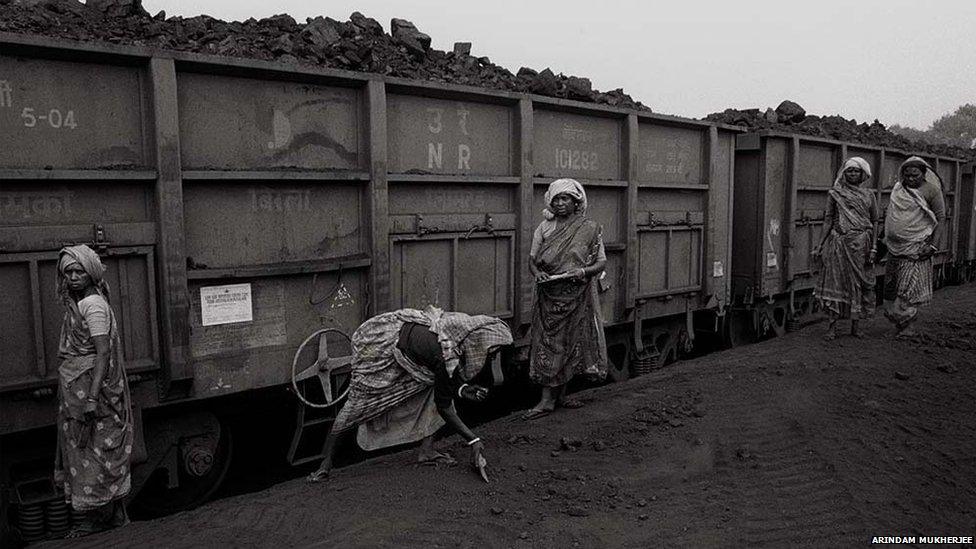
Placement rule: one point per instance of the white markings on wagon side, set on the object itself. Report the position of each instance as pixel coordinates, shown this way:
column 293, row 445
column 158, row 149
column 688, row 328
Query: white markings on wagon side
column 54, row 118
column 435, row 149
column 667, row 155
column 574, row 158
column 6, row 94
column 26, row 205
column 264, row 199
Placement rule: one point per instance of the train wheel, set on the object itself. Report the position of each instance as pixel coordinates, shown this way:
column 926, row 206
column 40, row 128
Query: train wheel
column 201, row 467
column 618, row 356
column 739, row 328
column 777, row 320
column 667, row 350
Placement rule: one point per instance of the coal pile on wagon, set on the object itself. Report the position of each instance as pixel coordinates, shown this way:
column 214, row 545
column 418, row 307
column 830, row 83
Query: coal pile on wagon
column 792, row 118
column 359, row 44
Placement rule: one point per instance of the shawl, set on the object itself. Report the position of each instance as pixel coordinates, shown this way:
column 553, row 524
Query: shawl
column 910, row 221
column 853, row 203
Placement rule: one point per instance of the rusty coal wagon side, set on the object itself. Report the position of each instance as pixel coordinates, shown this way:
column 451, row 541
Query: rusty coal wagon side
column 966, row 227
column 241, row 205
column 781, row 184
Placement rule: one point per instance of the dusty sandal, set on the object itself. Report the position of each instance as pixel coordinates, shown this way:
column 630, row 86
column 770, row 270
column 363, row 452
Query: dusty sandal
column 535, row 413
column 317, row 476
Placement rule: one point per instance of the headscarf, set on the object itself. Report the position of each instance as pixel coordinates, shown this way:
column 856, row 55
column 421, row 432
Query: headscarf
column 568, row 186
column 854, row 162
column 89, row 261
column 470, row 336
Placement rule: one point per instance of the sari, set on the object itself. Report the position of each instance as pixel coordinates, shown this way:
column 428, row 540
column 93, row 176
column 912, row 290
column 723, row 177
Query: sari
column 391, row 397
column 94, row 453
column 846, row 285
column 909, row 224
column 567, row 330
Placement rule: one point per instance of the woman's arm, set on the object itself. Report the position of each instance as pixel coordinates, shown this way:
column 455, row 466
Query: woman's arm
column 829, row 215
column 596, row 268
column 450, row 415
column 534, row 269
column 103, row 349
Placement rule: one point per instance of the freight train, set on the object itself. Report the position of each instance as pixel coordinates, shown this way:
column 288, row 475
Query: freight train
column 251, row 212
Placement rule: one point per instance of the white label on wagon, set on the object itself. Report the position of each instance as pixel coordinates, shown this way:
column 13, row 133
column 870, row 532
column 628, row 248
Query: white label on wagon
column 225, row 304
column 717, row 269
column 771, row 259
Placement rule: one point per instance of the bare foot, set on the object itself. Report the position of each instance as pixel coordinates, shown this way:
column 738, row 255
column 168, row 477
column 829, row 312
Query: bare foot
column 830, row 335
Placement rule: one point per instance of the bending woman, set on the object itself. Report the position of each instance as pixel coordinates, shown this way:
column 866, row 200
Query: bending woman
column 566, row 257
column 408, row 367
column 94, row 408
column 846, row 285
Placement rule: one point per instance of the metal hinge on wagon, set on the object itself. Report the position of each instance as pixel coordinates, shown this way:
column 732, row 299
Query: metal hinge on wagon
column 467, row 224
column 654, row 219
column 99, row 241
column 811, row 217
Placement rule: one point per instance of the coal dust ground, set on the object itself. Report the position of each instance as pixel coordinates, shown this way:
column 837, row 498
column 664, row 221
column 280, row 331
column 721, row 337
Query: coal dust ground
column 791, row 442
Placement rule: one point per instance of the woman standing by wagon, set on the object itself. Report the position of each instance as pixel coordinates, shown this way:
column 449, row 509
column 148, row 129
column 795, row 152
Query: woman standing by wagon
column 846, row 285
column 94, row 408
column 566, row 257
column 914, row 223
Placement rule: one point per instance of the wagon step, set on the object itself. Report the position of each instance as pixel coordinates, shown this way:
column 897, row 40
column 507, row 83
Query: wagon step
column 311, row 429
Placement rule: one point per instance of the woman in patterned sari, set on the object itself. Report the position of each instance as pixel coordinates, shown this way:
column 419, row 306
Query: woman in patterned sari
column 94, row 408
column 566, row 258
column 846, row 285
column 408, row 368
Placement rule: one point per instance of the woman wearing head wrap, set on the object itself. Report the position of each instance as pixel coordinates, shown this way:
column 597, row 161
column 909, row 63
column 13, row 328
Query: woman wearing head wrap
column 408, row 367
column 566, row 258
column 913, row 223
column 94, row 409
column 846, row 285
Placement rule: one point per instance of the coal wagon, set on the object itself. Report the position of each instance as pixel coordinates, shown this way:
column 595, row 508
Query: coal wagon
column 242, row 205
column 781, row 184
column 966, row 229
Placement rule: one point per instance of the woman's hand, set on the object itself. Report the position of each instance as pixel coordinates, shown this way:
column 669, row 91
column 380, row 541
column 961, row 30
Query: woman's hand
column 478, row 459
column 475, row 393
column 872, row 256
column 90, row 407
column 541, row 277
column 579, row 274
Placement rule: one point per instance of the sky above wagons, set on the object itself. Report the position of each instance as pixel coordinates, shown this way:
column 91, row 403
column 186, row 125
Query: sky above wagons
column 900, row 61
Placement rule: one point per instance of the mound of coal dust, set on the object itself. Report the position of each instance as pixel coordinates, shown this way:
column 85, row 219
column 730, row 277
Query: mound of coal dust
column 791, row 117
column 359, row 44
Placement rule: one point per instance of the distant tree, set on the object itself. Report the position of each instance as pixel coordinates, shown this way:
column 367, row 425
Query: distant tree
column 911, row 133
column 958, row 128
